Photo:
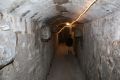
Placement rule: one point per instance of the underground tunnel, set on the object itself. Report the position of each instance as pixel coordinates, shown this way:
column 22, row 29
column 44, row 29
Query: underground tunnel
column 59, row 40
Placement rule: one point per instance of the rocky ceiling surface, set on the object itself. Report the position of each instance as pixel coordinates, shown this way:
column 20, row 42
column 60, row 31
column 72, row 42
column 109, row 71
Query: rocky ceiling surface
column 40, row 9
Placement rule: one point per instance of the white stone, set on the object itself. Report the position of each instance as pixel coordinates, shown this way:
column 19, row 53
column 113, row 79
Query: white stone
column 5, row 27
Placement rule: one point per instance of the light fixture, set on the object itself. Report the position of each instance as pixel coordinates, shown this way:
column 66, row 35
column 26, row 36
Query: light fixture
column 67, row 24
column 89, row 6
column 74, row 21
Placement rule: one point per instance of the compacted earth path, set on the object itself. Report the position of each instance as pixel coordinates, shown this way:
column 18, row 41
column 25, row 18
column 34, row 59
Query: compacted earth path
column 65, row 67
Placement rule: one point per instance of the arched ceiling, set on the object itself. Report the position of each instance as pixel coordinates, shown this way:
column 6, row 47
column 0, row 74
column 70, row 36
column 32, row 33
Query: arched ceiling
column 40, row 9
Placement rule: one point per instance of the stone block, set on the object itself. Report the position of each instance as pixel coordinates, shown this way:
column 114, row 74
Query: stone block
column 7, row 47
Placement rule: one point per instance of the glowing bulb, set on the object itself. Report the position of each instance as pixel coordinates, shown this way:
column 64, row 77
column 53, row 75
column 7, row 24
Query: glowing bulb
column 67, row 24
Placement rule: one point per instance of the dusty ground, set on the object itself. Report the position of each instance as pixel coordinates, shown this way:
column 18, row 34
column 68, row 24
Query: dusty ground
column 65, row 67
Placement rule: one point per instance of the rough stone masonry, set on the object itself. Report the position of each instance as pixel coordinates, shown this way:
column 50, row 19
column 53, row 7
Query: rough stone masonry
column 23, row 56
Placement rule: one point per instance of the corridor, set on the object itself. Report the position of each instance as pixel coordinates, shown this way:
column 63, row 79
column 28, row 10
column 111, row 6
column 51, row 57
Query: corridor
column 34, row 35
column 65, row 67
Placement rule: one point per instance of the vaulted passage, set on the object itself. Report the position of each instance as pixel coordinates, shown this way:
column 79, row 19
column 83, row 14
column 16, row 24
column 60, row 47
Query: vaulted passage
column 59, row 40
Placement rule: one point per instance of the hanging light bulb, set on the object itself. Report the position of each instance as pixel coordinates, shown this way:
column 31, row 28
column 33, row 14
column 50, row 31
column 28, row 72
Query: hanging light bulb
column 67, row 24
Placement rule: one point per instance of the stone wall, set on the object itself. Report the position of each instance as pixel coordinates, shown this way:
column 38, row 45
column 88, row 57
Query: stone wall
column 100, row 56
column 23, row 56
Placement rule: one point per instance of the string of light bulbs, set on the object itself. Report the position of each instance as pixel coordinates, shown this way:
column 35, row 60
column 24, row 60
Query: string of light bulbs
column 74, row 21
column 77, row 19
